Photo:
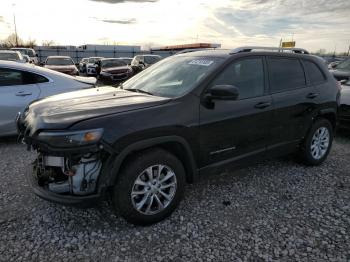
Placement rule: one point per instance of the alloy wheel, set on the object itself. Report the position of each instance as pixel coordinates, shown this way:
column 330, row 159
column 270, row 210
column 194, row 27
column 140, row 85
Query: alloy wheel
column 154, row 189
column 320, row 143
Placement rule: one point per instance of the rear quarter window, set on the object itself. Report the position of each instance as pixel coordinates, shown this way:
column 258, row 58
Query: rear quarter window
column 285, row 74
column 313, row 72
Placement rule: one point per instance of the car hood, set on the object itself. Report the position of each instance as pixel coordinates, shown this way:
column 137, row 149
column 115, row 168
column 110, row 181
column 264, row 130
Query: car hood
column 339, row 72
column 60, row 67
column 64, row 110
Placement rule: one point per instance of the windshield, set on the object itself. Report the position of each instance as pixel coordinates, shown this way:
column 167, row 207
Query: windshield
column 9, row 56
column 173, row 76
column 112, row 63
column 344, row 65
column 126, row 60
column 59, row 61
column 93, row 60
column 151, row 59
column 28, row 52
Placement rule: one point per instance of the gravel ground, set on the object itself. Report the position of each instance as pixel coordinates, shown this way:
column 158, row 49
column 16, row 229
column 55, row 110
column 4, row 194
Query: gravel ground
column 277, row 210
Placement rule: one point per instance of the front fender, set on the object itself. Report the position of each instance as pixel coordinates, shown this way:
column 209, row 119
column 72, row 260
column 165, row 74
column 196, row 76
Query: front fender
column 115, row 161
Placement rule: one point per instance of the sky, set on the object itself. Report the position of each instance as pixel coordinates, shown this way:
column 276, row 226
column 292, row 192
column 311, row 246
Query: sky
column 314, row 25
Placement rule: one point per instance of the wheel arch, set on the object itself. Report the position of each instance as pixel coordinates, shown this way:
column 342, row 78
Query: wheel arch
column 174, row 144
column 330, row 114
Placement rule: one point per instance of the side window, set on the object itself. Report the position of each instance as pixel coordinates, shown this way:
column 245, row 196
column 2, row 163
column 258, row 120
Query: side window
column 246, row 74
column 313, row 72
column 286, row 74
column 31, row 78
column 9, row 77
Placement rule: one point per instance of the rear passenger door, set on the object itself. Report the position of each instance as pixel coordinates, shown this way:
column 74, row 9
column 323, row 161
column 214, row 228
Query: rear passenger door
column 17, row 90
column 292, row 97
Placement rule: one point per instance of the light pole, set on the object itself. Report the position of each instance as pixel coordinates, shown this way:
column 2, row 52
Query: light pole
column 14, row 22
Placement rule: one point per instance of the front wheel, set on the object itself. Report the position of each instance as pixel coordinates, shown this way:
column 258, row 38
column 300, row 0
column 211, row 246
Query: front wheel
column 318, row 143
column 150, row 187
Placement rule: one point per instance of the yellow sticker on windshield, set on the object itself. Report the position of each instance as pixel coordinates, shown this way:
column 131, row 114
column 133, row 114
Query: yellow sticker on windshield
column 201, row 62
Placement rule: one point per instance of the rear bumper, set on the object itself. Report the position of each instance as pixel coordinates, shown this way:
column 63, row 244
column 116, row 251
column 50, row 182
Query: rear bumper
column 71, row 200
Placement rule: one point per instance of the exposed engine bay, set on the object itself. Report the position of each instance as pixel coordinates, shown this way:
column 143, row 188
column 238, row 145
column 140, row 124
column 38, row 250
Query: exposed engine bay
column 73, row 175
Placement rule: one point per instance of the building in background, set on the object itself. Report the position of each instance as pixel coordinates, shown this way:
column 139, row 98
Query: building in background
column 186, row 46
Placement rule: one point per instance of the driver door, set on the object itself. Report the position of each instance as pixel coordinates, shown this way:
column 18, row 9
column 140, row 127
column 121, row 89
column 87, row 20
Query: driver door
column 235, row 129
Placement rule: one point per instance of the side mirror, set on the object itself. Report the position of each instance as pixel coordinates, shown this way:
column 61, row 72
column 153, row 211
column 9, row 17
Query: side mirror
column 36, row 55
column 222, row 92
column 42, row 63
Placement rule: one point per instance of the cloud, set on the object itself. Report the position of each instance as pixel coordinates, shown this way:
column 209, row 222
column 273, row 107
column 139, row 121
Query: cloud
column 119, row 21
column 124, row 1
column 273, row 18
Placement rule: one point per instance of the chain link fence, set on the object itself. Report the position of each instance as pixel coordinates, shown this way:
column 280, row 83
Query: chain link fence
column 77, row 54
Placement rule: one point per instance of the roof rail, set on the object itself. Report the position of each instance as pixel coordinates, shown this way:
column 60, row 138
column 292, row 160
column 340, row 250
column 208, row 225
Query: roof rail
column 194, row 50
column 268, row 48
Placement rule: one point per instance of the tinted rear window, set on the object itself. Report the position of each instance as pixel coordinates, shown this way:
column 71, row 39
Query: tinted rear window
column 9, row 77
column 314, row 73
column 286, row 74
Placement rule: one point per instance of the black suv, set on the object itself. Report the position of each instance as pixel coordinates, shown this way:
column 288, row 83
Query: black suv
column 187, row 115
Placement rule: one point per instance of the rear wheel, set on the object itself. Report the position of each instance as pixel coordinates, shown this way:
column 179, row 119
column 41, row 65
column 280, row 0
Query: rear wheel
column 150, row 187
column 318, row 143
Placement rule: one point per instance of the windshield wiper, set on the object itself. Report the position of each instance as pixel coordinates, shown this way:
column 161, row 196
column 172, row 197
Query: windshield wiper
column 139, row 91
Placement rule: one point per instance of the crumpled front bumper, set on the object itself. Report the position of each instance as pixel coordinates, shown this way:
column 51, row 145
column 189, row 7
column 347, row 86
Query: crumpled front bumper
column 43, row 193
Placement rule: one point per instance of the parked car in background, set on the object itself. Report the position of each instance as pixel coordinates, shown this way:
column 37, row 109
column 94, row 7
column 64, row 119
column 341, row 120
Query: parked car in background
column 183, row 117
column 334, row 64
column 29, row 52
column 21, row 84
column 27, row 59
column 82, row 64
column 344, row 109
column 141, row 62
column 113, row 70
column 127, row 60
column 63, row 64
column 91, row 66
column 342, row 71
column 11, row 55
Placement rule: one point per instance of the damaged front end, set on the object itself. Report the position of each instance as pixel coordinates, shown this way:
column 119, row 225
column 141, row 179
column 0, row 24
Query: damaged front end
column 68, row 164
column 71, row 175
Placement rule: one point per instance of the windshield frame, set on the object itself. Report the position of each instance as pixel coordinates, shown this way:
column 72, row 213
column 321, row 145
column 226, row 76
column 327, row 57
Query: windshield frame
column 14, row 54
column 59, row 58
column 112, row 60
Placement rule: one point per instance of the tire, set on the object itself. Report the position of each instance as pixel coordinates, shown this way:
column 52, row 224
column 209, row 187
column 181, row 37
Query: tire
column 136, row 209
column 314, row 152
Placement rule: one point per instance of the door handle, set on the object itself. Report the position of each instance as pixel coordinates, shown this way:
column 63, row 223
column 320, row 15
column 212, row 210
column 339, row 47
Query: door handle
column 262, row 105
column 312, row 95
column 23, row 94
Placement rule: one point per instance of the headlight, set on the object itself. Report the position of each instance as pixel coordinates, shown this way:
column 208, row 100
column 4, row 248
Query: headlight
column 71, row 138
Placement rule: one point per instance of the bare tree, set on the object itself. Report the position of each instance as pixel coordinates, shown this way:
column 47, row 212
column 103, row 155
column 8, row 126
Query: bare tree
column 10, row 41
column 48, row 43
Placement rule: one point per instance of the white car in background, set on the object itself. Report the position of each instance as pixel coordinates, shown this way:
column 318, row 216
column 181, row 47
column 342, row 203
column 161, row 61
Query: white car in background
column 10, row 55
column 29, row 52
column 91, row 65
column 20, row 84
